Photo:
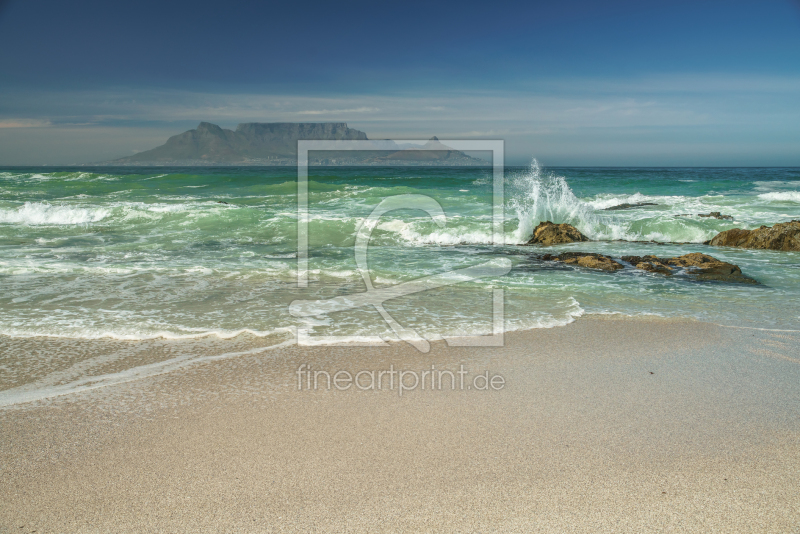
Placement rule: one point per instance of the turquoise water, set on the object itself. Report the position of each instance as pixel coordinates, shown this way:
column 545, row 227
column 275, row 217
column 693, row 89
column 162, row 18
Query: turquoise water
column 139, row 253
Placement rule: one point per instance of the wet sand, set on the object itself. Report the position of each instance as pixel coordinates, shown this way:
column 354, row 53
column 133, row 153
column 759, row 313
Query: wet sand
column 606, row 425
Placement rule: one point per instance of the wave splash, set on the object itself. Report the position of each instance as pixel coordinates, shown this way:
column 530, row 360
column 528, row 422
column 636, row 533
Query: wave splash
column 540, row 197
column 535, row 196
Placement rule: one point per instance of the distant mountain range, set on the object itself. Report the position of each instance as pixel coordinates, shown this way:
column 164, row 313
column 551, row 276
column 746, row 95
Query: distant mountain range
column 275, row 143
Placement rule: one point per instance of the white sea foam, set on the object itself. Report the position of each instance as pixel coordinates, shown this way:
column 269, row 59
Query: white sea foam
column 539, row 197
column 346, row 273
column 142, row 336
column 782, row 196
column 535, row 196
column 410, row 232
column 168, row 208
column 205, row 271
column 665, row 204
column 604, row 201
column 40, row 213
column 37, row 176
column 773, row 185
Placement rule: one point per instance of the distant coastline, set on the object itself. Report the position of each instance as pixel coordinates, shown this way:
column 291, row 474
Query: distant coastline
column 282, row 163
column 275, row 145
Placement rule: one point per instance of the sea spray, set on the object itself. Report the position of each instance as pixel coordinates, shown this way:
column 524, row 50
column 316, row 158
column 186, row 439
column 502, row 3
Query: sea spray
column 537, row 196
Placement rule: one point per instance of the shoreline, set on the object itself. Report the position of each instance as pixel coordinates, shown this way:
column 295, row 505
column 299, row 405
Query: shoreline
column 245, row 342
column 607, row 424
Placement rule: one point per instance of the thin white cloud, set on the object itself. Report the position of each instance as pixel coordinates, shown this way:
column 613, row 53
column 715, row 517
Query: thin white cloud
column 24, row 123
column 337, row 111
column 679, row 101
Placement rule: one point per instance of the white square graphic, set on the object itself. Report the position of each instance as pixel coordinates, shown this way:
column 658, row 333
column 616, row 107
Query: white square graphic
column 376, row 297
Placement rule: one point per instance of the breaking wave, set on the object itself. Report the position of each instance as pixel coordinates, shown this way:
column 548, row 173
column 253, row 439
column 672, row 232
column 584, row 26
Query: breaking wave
column 534, row 196
column 537, row 196
column 39, row 213
column 782, row 196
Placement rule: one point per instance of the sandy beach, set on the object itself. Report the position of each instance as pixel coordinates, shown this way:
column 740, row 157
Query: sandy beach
column 609, row 424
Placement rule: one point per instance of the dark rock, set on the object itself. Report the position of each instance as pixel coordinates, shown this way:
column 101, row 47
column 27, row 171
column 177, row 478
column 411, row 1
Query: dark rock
column 715, row 215
column 599, row 262
column 649, row 263
column 705, row 267
column 628, row 206
column 695, row 265
column 586, row 259
column 548, row 233
column 782, row 236
column 655, row 267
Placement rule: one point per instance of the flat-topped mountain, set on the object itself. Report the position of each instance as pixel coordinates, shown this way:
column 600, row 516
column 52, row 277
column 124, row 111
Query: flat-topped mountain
column 433, row 150
column 251, row 140
column 275, row 143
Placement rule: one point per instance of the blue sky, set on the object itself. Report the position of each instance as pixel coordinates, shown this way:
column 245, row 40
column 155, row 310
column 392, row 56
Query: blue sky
column 571, row 83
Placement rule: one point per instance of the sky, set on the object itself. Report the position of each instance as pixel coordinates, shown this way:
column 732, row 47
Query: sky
column 616, row 83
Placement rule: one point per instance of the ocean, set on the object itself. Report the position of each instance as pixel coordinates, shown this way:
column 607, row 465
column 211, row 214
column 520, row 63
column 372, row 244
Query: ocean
column 142, row 253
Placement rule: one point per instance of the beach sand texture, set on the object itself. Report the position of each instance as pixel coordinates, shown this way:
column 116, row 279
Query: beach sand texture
column 609, row 424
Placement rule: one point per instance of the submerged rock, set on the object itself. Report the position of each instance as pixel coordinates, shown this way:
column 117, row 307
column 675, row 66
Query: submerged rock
column 599, row 262
column 655, row 267
column 716, row 215
column 652, row 264
column 547, row 233
column 589, row 260
column 696, row 265
column 782, row 236
column 705, row 267
column 628, row 206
